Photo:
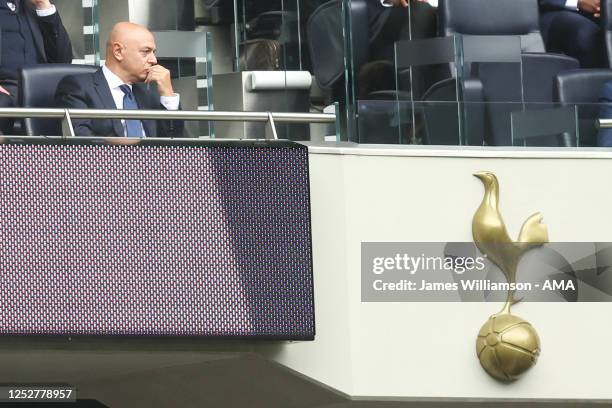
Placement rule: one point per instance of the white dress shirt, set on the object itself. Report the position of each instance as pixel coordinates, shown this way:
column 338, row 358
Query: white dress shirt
column 46, row 12
column 114, row 82
column 571, row 4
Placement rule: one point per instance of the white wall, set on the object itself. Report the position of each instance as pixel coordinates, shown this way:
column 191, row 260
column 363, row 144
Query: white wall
column 428, row 349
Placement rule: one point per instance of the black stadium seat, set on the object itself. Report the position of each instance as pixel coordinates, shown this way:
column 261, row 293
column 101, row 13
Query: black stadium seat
column 37, row 85
column 582, row 87
column 494, row 17
column 504, row 81
column 326, row 42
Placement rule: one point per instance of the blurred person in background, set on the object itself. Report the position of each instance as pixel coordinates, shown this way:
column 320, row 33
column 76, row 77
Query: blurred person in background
column 572, row 27
column 32, row 33
column 389, row 23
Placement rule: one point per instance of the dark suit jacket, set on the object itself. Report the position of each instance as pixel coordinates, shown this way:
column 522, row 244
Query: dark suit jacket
column 377, row 16
column 91, row 91
column 50, row 37
column 604, row 138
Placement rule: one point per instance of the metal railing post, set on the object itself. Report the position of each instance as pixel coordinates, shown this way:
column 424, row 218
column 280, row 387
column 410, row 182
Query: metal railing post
column 272, row 126
column 67, row 128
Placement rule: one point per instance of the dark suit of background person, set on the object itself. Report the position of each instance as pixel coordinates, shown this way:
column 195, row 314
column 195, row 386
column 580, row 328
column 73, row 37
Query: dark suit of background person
column 32, row 33
column 604, row 138
column 130, row 60
column 389, row 24
column 572, row 27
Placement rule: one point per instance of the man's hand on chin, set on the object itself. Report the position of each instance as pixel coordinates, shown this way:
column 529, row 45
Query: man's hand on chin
column 161, row 76
column 41, row 4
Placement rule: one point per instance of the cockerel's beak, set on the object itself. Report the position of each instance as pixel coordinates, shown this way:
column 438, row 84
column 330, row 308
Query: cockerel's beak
column 482, row 175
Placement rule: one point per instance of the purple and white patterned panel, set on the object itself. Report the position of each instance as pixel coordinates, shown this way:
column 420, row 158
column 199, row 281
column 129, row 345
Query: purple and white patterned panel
column 155, row 241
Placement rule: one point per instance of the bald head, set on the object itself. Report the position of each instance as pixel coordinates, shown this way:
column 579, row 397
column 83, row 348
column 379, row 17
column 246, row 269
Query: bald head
column 130, row 51
column 126, row 32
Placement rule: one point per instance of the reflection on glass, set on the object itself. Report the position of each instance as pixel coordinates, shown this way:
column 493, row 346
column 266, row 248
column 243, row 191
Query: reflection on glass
column 269, row 49
column 422, row 75
column 536, row 124
column 496, row 62
column 587, row 115
column 268, row 35
column 545, row 127
column 440, row 89
column 206, row 96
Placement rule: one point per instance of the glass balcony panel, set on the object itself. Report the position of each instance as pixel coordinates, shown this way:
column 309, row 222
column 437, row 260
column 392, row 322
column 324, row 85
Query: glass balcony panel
column 550, row 125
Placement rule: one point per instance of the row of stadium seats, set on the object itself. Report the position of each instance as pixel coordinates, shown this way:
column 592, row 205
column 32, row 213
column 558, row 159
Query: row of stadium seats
column 466, row 17
column 545, row 78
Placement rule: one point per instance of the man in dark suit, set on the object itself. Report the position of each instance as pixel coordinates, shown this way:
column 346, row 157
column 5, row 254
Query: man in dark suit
column 391, row 21
column 572, row 27
column 123, row 83
column 388, row 20
column 32, row 33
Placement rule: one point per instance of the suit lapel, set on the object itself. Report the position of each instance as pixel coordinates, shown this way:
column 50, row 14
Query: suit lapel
column 36, row 34
column 106, row 97
column 140, row 93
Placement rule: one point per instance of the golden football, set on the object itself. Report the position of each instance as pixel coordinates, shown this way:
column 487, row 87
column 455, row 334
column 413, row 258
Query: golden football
column 507, row 346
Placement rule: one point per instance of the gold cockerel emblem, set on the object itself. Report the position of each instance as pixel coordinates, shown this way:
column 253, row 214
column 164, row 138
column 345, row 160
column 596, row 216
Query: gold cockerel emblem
column 507, row 345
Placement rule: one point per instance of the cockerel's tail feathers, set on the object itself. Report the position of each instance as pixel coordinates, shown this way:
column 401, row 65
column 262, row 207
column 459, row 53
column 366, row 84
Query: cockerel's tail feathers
column 533, row 231
column 516, row 300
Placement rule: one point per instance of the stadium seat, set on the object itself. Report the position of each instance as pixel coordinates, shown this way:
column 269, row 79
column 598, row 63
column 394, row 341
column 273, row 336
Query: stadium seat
column 504, row 82
column 493, row 17
column 326, row 44
column 582, row 87
column 537, row 76
column 37, row 85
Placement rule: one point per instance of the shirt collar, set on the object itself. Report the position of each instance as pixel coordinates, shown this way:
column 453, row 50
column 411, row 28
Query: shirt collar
column 113, row 80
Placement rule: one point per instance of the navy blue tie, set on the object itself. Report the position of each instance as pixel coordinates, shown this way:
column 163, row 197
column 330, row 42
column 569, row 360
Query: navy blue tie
column 133, row 127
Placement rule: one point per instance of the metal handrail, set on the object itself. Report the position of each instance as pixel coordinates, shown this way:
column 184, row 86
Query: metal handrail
column 66, row 114
column 161, row 114
column 31, row 113
column 604, row 123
